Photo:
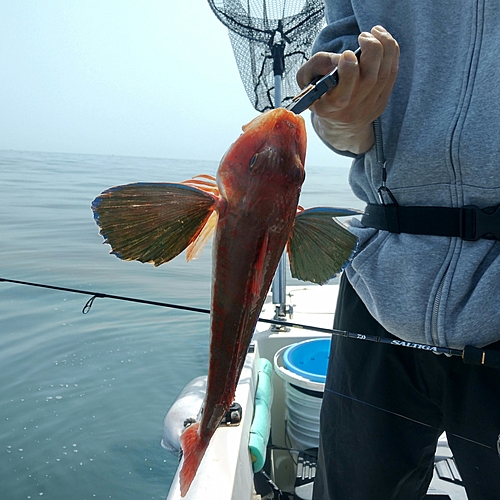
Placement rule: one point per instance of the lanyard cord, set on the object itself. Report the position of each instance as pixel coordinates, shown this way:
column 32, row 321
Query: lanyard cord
column 384, row 193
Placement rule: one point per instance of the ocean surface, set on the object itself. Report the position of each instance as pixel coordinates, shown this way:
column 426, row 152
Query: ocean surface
column 83, row 396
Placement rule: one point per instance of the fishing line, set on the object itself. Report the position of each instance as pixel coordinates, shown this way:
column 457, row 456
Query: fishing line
column 469, row 355
column 406, row 418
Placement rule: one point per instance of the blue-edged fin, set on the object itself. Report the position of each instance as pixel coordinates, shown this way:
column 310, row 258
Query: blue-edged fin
column 320, row 246
column 152, row 222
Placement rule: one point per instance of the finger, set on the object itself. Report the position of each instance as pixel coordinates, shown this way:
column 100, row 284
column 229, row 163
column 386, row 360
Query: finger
column 348, row 69
column 320, row 64
column 372, row 52
column 383, row 97
column 339, row 97
column 390, row 58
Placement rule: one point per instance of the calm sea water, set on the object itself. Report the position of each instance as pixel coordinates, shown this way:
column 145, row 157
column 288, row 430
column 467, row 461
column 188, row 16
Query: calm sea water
column 82, row 397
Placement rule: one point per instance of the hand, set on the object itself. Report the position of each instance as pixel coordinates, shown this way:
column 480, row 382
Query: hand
column 344, row 115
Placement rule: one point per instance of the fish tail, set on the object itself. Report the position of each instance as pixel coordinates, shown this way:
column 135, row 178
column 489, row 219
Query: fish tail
column 193, row 448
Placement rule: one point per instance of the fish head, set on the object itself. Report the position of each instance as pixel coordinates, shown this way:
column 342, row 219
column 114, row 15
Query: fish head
column 268, row 155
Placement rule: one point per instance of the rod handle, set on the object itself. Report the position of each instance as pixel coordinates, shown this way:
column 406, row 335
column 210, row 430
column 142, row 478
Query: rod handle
column 478, row 356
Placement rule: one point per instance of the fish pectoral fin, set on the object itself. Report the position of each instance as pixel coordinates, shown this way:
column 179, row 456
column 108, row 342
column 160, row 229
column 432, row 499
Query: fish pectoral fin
column 152, row 222
column 320, row 246
column 198, row 244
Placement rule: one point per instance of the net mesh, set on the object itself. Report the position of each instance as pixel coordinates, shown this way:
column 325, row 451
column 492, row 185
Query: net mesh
column 270, row 38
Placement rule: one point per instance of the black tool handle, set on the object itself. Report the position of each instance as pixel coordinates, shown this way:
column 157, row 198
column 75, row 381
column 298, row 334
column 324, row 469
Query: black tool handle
column 318, row 87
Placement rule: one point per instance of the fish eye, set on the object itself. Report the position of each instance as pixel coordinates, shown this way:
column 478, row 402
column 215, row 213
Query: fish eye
column 253, row 160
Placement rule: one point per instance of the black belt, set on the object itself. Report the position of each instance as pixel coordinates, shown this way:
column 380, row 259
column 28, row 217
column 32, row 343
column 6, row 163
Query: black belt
column 469, row 223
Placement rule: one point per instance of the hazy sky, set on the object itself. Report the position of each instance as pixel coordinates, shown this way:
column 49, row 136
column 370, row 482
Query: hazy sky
column 142, row 78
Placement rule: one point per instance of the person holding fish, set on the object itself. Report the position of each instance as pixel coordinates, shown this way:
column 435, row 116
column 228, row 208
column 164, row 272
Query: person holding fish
column 419, row 114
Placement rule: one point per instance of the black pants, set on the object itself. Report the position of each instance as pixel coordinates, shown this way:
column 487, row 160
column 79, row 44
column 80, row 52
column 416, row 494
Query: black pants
column 384, row 408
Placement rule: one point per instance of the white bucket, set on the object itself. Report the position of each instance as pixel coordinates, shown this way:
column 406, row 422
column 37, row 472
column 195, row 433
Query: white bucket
column 303, row 368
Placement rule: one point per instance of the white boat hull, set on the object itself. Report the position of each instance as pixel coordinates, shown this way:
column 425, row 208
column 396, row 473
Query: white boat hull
column 226, row 471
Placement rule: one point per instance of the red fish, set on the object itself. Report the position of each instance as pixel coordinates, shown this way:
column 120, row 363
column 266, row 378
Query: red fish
column 252, row 206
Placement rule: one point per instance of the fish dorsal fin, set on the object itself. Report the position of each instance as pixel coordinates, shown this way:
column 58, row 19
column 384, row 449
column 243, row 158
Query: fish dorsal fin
column 152, row 222
column 205, row 182
column 320, row 246
column 195, row 248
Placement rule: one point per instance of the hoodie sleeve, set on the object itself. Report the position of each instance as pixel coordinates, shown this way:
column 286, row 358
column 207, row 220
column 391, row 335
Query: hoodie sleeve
column 342, row 29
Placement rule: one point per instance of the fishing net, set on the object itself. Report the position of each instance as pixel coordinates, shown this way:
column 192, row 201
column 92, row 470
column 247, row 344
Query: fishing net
column 270, row 38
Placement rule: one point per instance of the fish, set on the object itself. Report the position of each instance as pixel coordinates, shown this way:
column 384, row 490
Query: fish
column 251, row 210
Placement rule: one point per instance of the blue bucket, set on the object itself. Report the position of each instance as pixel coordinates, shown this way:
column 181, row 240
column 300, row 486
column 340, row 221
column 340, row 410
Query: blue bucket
column 308, row 359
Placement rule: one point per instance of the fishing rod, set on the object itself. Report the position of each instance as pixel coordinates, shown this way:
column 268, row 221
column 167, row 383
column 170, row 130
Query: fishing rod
column 470, row 354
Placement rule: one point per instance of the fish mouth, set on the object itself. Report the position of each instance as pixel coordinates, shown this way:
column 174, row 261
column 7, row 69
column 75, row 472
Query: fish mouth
column 280, row 117
column 283, row 124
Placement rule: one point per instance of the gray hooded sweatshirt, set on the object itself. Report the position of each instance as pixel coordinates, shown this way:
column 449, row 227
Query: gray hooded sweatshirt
column 441, row 142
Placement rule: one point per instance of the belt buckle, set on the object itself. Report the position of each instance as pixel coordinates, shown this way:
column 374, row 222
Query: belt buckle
column 476, row 223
